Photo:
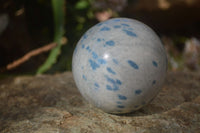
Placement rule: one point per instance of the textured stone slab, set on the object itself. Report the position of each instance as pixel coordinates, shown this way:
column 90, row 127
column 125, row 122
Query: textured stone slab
column 52, row 103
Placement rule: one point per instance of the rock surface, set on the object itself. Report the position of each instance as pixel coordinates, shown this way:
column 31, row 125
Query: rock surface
column 52, row 104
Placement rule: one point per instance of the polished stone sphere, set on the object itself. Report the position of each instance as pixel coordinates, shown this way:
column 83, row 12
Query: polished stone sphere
column 119, row 65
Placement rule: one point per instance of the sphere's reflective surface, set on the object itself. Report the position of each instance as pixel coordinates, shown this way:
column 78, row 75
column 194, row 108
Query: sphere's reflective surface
column 119, row 65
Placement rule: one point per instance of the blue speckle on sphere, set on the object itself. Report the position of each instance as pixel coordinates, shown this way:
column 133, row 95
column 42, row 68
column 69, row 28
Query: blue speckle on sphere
column 101, row 61
column 110, row 70
column 110, row 43
column 130, row 33
column 98, row 40
column 83, row 46
column 105, row 28
column 108, row 87
column 125, row 25
column 96, row 86
column 110, row 80
column 117, row 26
column 138, row 92
column 114, row 88
column 88, row 49
column 155, row 63
column 84, row 77
column 130, row 28
column 94, row 55
column 93, row 64
column 99, row 24
column 133, row 64
column 115, row 84
column 121, row 97
column 118, row 82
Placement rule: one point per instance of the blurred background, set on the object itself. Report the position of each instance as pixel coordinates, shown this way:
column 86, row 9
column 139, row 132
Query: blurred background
column 28, row 28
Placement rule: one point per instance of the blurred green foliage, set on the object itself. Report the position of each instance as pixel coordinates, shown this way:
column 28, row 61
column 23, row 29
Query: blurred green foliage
column 82, row 4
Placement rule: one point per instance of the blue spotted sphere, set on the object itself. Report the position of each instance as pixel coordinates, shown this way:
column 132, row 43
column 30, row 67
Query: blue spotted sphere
column 119, row 65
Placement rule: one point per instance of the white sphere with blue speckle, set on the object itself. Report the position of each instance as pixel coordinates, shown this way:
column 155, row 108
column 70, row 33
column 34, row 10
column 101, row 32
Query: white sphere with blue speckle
column 119, row 65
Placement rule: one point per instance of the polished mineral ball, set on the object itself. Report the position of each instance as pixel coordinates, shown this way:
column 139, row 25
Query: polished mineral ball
column 119, row 65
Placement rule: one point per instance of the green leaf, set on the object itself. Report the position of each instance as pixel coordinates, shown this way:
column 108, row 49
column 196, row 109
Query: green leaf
column 59, row 14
